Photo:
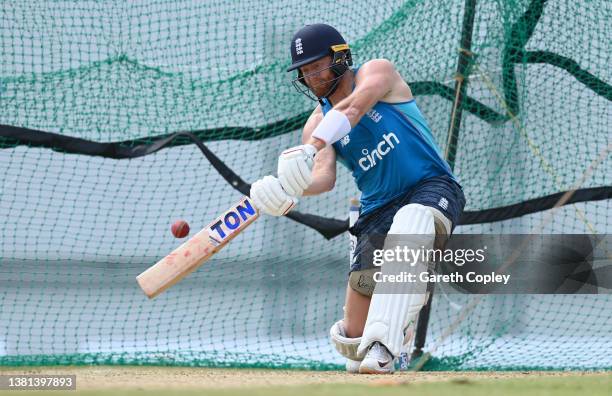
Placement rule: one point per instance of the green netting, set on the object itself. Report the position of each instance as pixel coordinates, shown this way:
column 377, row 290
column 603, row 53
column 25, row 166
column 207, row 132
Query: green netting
column 77, row 229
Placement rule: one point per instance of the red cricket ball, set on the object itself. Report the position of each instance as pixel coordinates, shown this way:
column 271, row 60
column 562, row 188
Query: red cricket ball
column 180, row 229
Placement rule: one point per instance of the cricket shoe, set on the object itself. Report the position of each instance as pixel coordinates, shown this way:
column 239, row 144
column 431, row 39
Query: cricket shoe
column 378, row 360
column 352, row 366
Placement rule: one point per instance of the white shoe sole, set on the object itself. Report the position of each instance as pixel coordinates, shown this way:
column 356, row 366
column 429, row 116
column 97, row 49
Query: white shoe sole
column 352, row 366
column 366, row 369
column 369, row 370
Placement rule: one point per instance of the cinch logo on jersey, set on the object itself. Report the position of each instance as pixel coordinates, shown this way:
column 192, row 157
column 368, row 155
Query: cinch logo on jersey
column 298, row 46
column 383, row 148
column 232, row 219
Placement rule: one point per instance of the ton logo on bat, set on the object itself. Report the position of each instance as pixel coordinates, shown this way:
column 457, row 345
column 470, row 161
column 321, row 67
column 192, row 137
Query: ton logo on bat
column 233, row 219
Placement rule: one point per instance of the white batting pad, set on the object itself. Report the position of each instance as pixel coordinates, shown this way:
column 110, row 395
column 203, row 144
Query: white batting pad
column 396, row 307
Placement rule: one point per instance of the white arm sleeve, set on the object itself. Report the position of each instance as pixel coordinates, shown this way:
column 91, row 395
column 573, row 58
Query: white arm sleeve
column 333, row 127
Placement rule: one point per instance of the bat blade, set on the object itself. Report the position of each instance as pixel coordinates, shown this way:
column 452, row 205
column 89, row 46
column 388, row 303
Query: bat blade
column 198, row 249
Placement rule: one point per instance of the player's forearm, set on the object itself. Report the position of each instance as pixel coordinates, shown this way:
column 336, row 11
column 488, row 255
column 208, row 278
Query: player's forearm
column 353, row 107
column 321, row 183
column 348, row 114
column 334, row 126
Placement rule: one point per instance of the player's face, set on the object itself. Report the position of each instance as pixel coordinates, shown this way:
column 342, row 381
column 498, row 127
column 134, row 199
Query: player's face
column 319, row 76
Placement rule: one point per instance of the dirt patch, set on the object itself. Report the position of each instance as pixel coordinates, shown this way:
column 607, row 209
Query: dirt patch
column 131, row 377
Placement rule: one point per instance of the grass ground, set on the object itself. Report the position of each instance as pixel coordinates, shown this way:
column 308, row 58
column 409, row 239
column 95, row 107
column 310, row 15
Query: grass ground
column 122, row 380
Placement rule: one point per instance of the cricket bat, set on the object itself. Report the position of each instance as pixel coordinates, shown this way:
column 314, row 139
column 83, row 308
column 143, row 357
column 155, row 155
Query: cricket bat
column 198, row 249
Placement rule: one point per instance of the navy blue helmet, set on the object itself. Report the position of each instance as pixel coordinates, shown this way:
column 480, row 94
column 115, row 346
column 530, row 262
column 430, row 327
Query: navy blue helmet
column 313, row 42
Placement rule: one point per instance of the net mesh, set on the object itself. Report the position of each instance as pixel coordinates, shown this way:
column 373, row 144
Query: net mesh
column 77, row 229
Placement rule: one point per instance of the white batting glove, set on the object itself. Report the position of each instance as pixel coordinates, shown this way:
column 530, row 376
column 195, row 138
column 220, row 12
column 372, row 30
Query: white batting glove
column 268, row 195
column 295, row 169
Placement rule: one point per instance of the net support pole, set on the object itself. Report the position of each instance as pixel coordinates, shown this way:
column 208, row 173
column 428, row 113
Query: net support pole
column 463, row 68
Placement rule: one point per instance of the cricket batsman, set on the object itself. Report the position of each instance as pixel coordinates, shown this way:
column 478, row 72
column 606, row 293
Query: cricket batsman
column 368, row 120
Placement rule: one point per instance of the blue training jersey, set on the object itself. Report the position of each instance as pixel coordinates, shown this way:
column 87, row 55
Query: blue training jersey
column 389, row 151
